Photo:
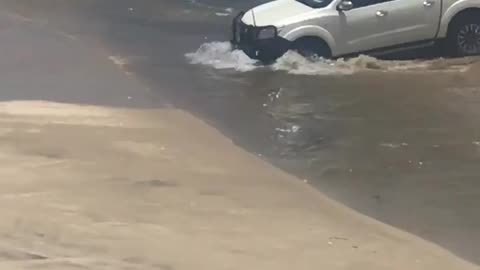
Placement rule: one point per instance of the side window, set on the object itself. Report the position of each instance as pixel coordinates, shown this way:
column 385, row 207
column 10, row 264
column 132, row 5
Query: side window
column 366, row 3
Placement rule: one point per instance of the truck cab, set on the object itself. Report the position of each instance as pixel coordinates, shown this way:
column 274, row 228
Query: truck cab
column 339, row 28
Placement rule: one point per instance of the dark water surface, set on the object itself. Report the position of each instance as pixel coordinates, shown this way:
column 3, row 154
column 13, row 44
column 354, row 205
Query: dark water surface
column 398, row 141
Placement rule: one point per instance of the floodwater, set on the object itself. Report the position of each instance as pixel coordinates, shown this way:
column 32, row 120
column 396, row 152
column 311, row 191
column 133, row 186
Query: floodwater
column 396, row 140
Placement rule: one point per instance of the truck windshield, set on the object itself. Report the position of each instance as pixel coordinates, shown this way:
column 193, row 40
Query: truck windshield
column 316, row 3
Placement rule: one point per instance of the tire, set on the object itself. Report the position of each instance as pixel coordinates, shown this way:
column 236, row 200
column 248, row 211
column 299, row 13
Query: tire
column 464, row 36
column 311, row 47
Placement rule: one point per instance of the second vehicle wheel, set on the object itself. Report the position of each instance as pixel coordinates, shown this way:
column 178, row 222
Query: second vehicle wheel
column 464, row 36
column 310, row 47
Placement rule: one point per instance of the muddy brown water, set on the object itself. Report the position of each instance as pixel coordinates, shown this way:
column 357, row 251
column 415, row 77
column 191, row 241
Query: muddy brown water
column 396, row 140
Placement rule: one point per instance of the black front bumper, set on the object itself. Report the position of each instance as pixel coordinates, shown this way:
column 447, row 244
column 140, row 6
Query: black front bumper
column 244, row 37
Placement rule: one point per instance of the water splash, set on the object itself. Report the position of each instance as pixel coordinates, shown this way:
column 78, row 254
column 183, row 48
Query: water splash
column 221, row 55
column 294, row 63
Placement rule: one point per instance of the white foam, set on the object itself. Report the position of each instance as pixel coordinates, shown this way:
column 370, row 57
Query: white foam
column 220, row 55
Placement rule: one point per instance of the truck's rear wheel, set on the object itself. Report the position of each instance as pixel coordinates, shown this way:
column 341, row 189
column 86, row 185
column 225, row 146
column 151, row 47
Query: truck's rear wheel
column 464, row 36
column 310, row 47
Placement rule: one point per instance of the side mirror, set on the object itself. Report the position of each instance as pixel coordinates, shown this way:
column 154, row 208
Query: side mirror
column 345, row 5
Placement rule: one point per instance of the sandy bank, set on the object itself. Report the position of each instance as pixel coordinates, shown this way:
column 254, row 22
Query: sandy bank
column 104, row 188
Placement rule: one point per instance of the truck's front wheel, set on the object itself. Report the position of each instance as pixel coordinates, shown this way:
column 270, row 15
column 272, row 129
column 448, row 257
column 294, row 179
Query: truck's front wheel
column 464, row 36
column 311, row 47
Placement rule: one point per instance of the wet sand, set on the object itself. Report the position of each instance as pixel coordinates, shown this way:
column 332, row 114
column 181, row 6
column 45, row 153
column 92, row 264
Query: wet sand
column 398, row 146
column 97, row 187
column 101, row 187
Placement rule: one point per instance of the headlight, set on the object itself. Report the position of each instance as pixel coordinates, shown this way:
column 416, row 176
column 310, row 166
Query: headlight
column 267, row 32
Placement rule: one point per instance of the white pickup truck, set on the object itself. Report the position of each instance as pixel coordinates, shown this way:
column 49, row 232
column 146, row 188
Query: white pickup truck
column 342, row 28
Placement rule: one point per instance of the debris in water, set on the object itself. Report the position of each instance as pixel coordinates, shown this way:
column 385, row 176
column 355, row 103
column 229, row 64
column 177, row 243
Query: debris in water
column 390, row 145
column 221, row 14
column 393, row 145
column 293, row 129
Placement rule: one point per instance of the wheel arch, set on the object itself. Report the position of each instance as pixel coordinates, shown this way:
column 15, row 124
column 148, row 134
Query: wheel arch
column 312, row 31
column 456, row 11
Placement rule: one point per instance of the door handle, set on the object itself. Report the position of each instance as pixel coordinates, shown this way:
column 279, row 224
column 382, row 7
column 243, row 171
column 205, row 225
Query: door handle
column 381, row 13
column 428, row 3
